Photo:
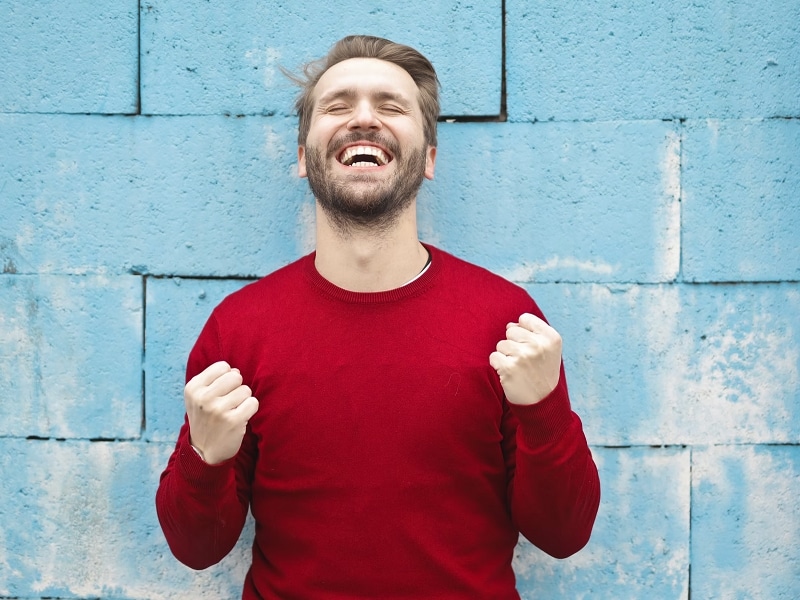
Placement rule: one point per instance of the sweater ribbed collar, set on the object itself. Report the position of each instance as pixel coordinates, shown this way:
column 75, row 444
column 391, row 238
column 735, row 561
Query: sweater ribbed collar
column 415, row 287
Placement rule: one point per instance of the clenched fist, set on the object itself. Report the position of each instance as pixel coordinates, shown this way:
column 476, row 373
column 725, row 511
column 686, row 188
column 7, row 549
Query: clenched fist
column 528, row 361
column 218, row 406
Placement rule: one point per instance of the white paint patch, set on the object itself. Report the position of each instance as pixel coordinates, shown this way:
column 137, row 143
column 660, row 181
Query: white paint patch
column 274, row 146
column 527, row 272
column 26, row 237
column 426, row 221
column 20, row 343
column 639, row 489
column 308, row 226
column 647, row 487
column 265, row 59
column 49, row 332
column 747, row 376
column 67, row 166
column 713, row 129
column 667, row 226
column 71, row 502
column 730, row 380
column 95, row 541
column 65, row 383
column 659, row 316
column 5, row 567
column 767, row 490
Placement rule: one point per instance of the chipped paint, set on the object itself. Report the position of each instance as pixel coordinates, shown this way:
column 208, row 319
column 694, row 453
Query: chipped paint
column 680, row 364
column 718, row 375
column 667, row 221
column 92, row 520
column 274, row 145
column 648, row 487
column 526, row 272
column 642, row 185
column 267, row 60
column 745, row 544
column 63, row 338
column 307, row 222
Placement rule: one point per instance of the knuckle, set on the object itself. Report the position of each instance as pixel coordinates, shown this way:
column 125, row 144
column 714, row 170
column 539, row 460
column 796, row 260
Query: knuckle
column 253, row 406
column 190, row 394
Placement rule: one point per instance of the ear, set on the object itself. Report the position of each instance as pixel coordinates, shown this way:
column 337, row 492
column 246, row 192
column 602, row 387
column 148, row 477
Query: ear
column 430, row 162
column 301, row 161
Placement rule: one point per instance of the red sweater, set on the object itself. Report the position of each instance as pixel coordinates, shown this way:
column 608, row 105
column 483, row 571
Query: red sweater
column 384, row 461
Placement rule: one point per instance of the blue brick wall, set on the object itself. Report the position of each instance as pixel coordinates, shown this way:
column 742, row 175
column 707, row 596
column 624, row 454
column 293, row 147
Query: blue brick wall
column 643, row 182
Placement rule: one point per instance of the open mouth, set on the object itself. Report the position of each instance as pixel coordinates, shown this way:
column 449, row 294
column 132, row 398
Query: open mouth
column 364, row 156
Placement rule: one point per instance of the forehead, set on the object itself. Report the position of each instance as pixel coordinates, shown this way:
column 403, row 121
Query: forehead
column 368, row 76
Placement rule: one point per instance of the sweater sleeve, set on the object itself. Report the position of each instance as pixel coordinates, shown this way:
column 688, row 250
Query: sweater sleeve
column 554, row 488
column 202, row 508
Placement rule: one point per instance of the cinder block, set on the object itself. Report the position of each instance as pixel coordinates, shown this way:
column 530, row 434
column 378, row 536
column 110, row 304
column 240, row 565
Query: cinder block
column 177, row 309
column 71, row 351
column 640, row 544
column 681, row 364
column 746, row 522
column 167, row 195
column 741, row 200
column 558, row 201
column 78, row 521
column 200, row 57
column 76, row 57
column 628, row 60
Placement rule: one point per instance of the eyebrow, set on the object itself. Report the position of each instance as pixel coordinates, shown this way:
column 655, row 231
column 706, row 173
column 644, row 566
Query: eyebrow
column 350, row 93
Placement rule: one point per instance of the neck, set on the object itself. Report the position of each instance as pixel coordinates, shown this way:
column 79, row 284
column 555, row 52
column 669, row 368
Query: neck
column 362, row 260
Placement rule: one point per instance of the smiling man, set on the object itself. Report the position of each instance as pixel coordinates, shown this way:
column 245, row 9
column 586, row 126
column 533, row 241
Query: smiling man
column 364, row 153
column 393, row 416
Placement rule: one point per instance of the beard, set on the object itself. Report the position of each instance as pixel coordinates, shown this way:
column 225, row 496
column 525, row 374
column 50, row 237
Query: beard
column 363, row 201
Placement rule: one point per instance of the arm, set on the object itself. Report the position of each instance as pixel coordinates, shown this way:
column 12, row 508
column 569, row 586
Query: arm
column 202, row 508
column 554, row 488
column 203, row 495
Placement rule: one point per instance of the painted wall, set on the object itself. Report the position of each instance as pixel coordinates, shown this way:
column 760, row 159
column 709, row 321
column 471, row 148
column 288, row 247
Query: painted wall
column 643, row 184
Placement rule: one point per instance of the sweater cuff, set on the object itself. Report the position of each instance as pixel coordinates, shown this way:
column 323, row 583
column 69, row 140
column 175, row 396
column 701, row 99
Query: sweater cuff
column 547, row 420
column 197, row 472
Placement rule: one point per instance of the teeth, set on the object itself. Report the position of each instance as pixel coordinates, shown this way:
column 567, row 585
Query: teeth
column 349, row 154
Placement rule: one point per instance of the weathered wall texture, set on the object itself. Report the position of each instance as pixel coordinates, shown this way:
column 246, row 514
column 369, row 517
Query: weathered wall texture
column 643, row 182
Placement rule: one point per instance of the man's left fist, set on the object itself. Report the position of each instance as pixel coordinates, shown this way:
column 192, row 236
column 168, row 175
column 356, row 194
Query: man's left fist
column 528, row 361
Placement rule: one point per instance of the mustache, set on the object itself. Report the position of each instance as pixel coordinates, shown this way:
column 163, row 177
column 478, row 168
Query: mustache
column 368, row 136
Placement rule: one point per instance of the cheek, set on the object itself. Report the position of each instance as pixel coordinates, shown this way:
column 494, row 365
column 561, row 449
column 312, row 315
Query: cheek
column 323, row 130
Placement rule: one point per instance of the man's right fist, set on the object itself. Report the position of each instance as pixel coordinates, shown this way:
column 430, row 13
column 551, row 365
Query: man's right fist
column 218, row 406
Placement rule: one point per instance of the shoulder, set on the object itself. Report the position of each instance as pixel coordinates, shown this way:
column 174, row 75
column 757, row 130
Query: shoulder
column 481, row 288
column 458, row 269
column 264, row 294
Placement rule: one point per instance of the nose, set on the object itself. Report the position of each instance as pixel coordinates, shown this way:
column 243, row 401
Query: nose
column 364, row 117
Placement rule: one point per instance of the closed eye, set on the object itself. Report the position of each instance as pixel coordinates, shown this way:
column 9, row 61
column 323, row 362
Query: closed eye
column 392, row 109
column 337, row 109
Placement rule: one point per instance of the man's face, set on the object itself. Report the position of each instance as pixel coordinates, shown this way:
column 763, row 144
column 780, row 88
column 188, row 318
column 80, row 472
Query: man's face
column 365, row 154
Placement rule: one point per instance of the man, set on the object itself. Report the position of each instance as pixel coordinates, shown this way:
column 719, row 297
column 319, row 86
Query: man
column 392, row 416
